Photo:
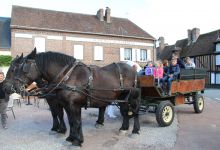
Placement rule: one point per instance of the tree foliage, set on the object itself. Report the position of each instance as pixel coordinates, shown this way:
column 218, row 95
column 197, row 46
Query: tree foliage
column 5, row 60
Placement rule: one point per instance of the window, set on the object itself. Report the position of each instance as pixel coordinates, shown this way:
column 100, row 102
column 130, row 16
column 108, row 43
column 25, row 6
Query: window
column 127, row 54
column 218, row 47
column 39, row 43
column 212, row 78
column 143, row 55
column 217, row 78
column 98, row 53
column 217, row 58
column 78, row 51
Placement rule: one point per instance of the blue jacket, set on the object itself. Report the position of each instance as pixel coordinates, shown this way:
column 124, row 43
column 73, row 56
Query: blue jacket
column 175, row 70
column 180, row 63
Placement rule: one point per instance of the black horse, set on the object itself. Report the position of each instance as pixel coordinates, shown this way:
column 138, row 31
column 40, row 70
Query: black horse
column 55, row 105
column 78, row 86
column 56, row 108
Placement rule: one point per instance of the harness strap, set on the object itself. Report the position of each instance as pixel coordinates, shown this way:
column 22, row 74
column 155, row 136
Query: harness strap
column 64, row 78
column 120, row 76
column 90, row 86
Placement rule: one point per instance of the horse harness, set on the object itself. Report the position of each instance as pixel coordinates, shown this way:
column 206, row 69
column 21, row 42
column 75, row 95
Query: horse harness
column 67, row 70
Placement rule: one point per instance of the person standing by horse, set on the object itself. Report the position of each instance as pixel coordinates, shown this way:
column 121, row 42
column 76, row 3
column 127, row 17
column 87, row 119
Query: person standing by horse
column 3, row 102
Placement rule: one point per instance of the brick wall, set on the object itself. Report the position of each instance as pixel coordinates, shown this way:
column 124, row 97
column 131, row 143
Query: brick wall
column 111, row 51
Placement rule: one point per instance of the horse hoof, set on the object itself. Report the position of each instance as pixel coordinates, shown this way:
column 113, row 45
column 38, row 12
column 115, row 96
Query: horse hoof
column 123, row 132
column 99, row 126
column 76, row 143
column 62, row 131
column 69, row 139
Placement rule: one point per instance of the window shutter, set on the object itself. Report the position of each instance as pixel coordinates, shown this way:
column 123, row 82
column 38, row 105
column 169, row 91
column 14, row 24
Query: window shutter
column 98, row 53
column 78, row 51
column 121, row 54
column 149, row 55
column 133, row 54
column 39, row 43
column 138, row 55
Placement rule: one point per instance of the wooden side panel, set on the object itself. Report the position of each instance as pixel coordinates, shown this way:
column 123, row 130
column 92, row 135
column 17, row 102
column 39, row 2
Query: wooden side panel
column 180, row 99
column 150, row 91
column 184, row 86
column 146, row 81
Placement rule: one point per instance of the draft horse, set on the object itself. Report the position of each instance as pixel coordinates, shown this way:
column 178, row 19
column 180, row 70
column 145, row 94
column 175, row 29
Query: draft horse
column 77, row 85
column 55, row 105
column 56, row 108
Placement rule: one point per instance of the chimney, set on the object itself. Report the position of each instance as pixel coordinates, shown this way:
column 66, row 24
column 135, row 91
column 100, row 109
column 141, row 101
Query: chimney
column 195, row 34
column 161, row 42
column 108, row 15
column 100, row 14
column 189, row 36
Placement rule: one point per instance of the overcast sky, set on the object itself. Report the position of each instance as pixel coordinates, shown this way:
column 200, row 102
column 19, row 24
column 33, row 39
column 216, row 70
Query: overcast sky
column 167, row 18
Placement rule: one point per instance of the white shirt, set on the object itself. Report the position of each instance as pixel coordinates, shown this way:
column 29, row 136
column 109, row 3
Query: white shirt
column 131, row 63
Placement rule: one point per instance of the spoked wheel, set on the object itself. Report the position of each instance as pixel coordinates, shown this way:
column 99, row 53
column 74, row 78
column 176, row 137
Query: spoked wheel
column 198, row 103
column 165, row 114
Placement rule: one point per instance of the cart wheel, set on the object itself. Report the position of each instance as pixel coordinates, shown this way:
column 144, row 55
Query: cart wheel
column 164, row 113
column 198, row 103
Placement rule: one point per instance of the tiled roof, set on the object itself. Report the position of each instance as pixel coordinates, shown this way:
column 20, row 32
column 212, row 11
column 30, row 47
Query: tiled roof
column 41, row 19
column 204, row 45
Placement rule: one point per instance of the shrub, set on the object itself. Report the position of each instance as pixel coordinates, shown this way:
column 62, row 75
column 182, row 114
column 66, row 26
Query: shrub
column 5, row 60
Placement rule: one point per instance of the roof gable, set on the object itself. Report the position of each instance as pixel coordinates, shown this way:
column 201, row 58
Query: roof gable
column 34, row 18
column 204, row 45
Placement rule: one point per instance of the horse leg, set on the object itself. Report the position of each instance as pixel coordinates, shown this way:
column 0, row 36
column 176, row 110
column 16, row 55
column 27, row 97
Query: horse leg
column 62, row 127
column 124, row 113
column 100, row 121
column 135, row 109
column 55, row 126
column 76, row 136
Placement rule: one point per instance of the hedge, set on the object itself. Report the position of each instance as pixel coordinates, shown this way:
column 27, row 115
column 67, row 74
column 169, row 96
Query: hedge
column 5, row 60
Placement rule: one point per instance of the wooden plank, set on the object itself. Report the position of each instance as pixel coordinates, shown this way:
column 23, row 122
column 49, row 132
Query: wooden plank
column 180, row 99
column 186, row 86
column 146, row 81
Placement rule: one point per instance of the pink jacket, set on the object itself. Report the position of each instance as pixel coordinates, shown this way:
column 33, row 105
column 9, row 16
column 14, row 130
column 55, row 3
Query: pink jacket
column 158, row 73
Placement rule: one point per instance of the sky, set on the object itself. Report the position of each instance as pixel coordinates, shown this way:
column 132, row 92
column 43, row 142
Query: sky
column 168, row 18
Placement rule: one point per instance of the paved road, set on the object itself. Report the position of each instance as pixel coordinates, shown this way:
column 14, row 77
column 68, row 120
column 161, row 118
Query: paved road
column 199, row 131
column 213, row 93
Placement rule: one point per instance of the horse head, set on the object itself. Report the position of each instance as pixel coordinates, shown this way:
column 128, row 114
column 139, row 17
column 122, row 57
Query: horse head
column 26, row 73
column 8, row 83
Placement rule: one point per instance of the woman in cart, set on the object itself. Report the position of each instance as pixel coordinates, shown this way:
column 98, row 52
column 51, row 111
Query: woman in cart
column 172, row 74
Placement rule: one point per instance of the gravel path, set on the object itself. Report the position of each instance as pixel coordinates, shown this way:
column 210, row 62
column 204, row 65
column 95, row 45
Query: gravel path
column 31, row 131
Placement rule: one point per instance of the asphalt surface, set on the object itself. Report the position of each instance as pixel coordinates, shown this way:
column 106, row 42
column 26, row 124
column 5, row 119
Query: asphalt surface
column 189, row 131
column 31, row 131
column 212, row 93
column 199, row 131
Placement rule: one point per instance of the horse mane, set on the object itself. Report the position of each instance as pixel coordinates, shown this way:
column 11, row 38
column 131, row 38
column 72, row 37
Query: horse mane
column 46, row 58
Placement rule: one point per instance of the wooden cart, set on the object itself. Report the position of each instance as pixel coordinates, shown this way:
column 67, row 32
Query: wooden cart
column 185, row 90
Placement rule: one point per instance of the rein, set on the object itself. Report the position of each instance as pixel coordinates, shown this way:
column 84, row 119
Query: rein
column 89, row 87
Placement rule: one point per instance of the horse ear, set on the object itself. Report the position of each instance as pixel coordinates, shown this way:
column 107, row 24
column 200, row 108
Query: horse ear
column 33, row 54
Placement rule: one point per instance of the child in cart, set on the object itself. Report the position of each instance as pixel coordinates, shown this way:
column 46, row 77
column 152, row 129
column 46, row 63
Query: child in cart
column 158, row 72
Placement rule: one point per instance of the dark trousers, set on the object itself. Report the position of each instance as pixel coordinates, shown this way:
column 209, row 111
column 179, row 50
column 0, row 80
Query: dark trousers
column 169, row 82
column 3, row 107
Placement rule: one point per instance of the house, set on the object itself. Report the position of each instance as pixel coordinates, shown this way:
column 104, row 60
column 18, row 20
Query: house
column 204, row 49
column 94, row 39
column 5, row 36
